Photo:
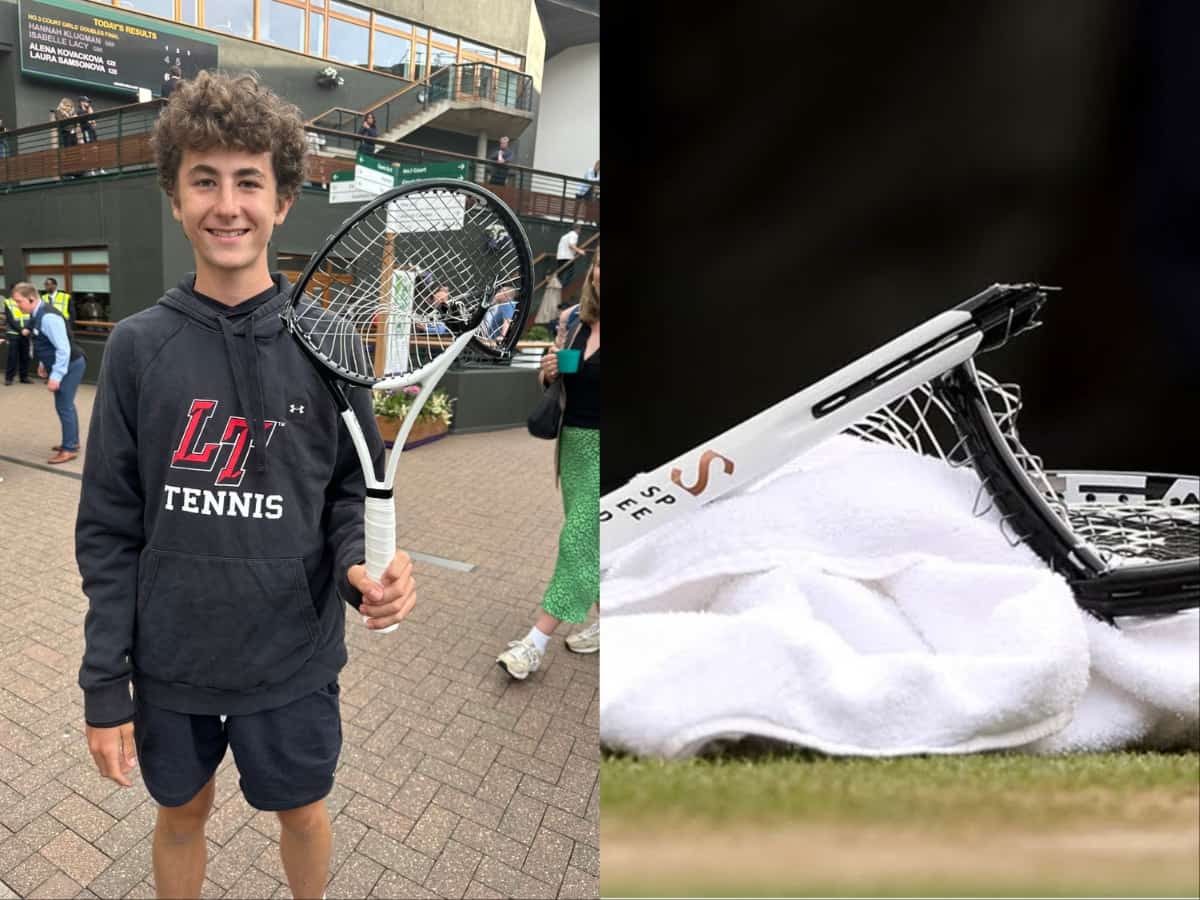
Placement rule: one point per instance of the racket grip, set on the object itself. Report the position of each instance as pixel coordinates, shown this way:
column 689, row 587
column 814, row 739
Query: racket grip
column 379, row 534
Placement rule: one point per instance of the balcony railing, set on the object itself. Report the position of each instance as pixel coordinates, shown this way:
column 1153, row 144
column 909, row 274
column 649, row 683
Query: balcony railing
column 479, row 82
column 41, row 154
column 37, row 156
column 530, row 192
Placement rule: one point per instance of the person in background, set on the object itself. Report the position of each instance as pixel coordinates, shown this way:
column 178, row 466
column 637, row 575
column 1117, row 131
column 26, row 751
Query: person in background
column 568, row 251
column 368, row 131
column 500, row 160
column 60, row 360
column 497, row 320
column 60, row 300
column 87, row 128
column 68, row 135
column 16, row 330
column 575, row 585
column 174, row 76
column 591, row 177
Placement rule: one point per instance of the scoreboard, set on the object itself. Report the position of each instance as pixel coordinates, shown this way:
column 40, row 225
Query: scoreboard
column 103, row 47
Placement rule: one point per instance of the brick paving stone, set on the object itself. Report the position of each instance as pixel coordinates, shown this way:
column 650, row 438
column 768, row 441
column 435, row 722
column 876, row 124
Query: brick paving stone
column 574, row 827
column 511, row 882
column 477, row 891
column 469, row 807
column 76, row 857
column 55, row 887
column 355, row 879
column 125, row 872
column 491, row 843
column 30, row 873
column 239, row 853
column 253, row 885
column 396, row 856
column 479, row 756
column 377, row 816
column 499, row 785
column 552, row 795
column 41, row 831
column 43, row 800
column 579, row 884
column 579, row 775
column 414, row 795
column 548, row 857
column 449, row 774
column 587, row 858
column 86, row 819
column 431, row 832
column 393, row 886
column 522, row 818
column 453, row 870
column 347, row 835
column 554, row 746
column 225, row 822
column 538, row 768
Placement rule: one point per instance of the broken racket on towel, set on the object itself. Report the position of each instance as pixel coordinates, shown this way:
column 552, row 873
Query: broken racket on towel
column 1127, row 542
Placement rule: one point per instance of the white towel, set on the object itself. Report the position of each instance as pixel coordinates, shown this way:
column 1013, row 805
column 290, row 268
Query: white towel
column 853, row 603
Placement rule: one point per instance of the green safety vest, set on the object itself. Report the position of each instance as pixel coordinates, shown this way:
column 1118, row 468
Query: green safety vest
column 61, row 301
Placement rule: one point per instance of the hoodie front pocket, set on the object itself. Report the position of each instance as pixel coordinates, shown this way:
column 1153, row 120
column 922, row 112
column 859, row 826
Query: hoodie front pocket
column 221, row 623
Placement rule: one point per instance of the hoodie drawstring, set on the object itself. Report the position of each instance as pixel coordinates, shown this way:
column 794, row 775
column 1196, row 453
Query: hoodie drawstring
column 257, row 414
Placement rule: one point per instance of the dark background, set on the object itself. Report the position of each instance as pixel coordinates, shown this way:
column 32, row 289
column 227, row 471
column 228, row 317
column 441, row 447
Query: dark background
column 788, row 186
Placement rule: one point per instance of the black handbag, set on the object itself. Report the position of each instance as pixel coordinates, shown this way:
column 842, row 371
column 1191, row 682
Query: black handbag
column 546, row 417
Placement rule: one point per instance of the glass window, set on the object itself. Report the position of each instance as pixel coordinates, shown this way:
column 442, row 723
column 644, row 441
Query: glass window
column 316, row 42
column 232, row 16
column 348, row 42
column 281, row 24
column 189, row 11
column 394, row 24
column 392, row 54
column 420, row 31
column 97, row 257
column 347, row 10
column 45, row 258
column 479, row 50
column 419, row 68
column 439, row 57
column 90, row 281
column 508, row 59
column 443, row 38
column 164, row 8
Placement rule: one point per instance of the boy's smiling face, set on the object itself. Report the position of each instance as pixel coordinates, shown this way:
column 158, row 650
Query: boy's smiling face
column 228, row 204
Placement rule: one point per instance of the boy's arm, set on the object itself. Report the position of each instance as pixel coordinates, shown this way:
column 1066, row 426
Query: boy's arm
column 109, row 537
column 344, row 498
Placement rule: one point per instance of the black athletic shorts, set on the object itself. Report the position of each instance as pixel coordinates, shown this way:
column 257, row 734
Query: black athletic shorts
column 285, row 756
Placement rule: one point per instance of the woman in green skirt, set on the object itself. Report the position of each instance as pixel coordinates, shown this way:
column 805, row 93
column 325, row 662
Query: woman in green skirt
column 575, row 585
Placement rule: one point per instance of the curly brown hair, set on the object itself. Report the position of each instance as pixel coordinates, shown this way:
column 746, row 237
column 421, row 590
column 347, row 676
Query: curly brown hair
column 231, row 112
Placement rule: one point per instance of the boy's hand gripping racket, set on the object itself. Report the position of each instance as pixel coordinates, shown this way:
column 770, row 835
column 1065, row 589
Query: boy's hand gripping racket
column 395, row 295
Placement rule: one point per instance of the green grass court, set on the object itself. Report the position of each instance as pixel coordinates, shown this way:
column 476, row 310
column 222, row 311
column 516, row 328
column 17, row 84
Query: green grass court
column 752, row 823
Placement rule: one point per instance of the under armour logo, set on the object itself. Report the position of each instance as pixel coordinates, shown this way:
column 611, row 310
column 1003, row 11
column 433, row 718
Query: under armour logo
column 293, row 408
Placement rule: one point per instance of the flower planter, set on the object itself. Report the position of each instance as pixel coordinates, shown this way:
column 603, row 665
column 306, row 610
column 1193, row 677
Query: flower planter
column 423, row 431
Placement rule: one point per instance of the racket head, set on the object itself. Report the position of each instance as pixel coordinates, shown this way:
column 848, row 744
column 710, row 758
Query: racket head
column 409, row 273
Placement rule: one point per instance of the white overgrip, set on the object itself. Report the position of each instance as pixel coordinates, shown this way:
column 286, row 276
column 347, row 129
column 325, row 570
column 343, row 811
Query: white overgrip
column 379, row 534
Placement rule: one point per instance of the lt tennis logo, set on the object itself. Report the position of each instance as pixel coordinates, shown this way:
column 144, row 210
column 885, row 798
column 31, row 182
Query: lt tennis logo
column 195, row 454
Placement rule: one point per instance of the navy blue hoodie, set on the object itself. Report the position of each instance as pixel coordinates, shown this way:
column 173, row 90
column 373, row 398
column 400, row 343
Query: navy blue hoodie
column 222, row 503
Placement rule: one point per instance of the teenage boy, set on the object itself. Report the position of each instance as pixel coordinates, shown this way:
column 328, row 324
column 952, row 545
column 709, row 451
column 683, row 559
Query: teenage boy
column 220, row 520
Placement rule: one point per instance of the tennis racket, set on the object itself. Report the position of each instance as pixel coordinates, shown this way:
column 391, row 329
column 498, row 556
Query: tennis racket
column 771, row 438
column 1127, row 542
column 394, row 296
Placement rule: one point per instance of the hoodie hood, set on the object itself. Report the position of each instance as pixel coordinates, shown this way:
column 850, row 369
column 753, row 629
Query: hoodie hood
column 243, row 327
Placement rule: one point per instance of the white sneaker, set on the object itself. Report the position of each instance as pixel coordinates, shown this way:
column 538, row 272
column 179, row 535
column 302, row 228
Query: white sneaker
column 520, row 659
column 586, row 641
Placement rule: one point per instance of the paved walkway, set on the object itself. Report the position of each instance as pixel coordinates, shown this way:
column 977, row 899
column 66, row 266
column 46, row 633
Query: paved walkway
column 453, row 781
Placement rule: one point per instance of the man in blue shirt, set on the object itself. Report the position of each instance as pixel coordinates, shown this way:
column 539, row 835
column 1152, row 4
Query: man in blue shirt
column 59, row 359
